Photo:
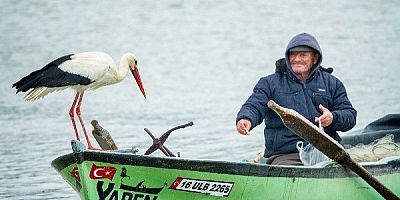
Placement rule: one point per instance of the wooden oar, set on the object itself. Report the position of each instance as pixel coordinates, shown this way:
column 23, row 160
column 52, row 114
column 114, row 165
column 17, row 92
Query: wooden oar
column 330, row 147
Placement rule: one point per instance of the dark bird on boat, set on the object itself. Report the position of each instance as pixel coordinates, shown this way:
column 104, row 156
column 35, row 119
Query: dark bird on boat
column 81, row 72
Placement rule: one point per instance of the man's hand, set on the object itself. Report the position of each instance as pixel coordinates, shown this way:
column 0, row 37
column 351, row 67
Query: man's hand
column 243, row 126
column 326, row 117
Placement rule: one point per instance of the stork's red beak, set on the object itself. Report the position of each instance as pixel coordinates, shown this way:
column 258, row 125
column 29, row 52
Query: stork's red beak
column 136, row 75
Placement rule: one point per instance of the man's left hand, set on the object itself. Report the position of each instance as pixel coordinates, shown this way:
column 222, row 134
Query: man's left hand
column 326, row 117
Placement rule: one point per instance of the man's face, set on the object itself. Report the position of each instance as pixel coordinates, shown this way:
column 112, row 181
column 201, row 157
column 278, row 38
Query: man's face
column 302, row 61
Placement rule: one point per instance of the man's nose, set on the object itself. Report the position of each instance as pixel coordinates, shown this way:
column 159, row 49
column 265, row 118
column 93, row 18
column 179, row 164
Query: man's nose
column 296, row 57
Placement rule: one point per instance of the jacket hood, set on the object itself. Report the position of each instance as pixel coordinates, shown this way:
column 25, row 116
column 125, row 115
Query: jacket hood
column 304, row 39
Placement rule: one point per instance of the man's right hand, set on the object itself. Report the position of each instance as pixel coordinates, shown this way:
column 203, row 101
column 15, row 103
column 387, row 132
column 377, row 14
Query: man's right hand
column 243, row 126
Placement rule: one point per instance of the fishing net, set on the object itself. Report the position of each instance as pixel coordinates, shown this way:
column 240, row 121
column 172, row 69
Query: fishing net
column 376, row 150
column 380, row 148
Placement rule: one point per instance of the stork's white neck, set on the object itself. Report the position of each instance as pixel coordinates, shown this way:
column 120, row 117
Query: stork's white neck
column 123, row 67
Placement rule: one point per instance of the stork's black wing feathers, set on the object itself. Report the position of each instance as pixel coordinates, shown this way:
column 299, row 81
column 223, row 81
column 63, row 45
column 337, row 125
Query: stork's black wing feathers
column 51, row 76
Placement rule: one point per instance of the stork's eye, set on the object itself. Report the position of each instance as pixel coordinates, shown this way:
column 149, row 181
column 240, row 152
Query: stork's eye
column 135, row 62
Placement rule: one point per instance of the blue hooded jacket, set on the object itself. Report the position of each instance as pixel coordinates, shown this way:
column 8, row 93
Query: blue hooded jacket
column 286, row 89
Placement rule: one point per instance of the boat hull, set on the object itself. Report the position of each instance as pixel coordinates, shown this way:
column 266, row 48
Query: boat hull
column 113, row 175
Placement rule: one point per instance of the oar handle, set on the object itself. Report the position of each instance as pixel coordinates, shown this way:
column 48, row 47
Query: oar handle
column 310, row 132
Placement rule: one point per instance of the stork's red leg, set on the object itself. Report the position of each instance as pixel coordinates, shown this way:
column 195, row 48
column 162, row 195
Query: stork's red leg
column 78, row 112
column 71, row 115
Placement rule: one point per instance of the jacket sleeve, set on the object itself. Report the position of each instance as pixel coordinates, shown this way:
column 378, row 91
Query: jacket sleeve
column 344, row 115
column 254, row 109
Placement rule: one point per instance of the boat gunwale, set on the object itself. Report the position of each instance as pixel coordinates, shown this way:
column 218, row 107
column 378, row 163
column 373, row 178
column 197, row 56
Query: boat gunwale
column 390, row 165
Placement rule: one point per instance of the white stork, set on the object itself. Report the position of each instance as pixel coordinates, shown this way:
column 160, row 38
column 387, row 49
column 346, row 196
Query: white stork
column 81, row 72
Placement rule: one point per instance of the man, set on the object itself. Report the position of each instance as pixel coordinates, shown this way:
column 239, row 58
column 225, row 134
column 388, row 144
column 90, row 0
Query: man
column 299, row 83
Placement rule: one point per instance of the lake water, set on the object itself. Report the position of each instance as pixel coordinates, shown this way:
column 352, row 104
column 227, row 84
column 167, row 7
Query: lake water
column 199, row 61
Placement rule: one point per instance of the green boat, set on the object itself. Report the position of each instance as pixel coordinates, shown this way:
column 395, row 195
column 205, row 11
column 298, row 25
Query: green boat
column 123, row 175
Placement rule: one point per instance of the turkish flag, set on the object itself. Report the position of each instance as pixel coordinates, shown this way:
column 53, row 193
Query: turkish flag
column 176, row 183
column 100, row 172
